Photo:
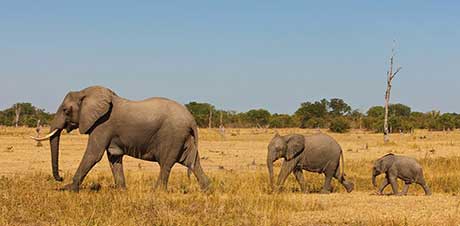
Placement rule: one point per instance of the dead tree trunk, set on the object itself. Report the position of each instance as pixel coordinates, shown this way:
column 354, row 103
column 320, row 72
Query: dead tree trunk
column 221, row 126
column 221, row 119
column 17, row 112
column 390, row 76
column 210, row 118
column 38, row 129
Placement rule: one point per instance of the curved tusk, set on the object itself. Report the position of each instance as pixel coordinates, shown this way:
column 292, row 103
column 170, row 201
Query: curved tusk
column 45, row 137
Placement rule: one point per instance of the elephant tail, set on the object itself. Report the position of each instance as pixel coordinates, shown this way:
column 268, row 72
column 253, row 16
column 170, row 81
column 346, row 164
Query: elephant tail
column 190, row 155
column 342, row 163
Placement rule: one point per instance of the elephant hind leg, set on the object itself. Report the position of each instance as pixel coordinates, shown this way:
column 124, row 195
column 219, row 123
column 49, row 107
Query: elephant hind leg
column 203, row 180
column 327, row 187
column 165, row 171
column 348, row 185
column 405, row 188
column 425, row 187
column 191, row 159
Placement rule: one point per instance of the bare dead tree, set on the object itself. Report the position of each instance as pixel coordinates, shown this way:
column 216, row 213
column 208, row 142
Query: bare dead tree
column 221, row 126
column 390, row 76
column 38, row 129
column 221, row 119
column 17, row 112
column 210, row 117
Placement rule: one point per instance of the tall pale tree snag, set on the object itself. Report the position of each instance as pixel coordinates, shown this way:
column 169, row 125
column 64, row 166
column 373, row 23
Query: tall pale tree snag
column 38, row 129
column 390, row 76
column 17, row 112
column 210, row 117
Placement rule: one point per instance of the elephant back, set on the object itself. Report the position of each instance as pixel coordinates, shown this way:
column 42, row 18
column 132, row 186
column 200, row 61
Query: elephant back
column 320, row 151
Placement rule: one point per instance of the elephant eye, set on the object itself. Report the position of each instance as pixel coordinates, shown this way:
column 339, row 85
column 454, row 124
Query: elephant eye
column 67, row 111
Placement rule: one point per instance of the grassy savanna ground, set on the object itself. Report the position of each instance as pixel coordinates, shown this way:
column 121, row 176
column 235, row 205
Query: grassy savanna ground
column 236, row 165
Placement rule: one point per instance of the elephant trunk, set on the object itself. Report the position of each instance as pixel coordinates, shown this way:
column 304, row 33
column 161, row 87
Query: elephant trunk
column 54, row 144
column 270, row 160
column 374, row 176
column 270, row 173
column 57, row 125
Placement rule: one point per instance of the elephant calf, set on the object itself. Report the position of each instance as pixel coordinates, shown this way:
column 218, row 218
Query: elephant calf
column 402, row 167
column 318, row 153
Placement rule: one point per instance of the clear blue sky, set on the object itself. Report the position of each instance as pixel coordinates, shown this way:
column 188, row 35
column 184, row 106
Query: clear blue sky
column 237, row 55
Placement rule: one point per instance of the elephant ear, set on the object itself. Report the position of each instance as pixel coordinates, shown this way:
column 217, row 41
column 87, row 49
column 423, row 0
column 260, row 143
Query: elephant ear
column 295, row 146
column 387, row 162
column 95, row 103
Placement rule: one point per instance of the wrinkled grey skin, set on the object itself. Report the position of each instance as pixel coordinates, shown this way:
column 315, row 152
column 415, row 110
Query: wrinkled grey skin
column 402, row 167
column 318, row 153
column 155, row 129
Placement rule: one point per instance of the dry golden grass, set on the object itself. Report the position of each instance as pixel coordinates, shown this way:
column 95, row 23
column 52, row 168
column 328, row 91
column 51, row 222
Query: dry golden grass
column 236, row 165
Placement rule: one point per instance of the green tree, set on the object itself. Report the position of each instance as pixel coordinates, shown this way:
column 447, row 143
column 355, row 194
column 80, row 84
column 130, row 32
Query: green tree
column 258, row 117
column 447, row 121
column 399, row 110
column 339, row 125
column 311, row 111
column 28, row 117
column 281, row 121
column 432, row 119
column 376, row 111
column 201, row 112
column 338, row 107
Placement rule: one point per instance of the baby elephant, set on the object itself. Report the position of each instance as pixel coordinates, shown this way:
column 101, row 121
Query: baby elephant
column 402, row 167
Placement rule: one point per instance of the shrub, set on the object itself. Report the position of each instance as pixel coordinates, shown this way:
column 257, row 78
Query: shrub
column 339, row 125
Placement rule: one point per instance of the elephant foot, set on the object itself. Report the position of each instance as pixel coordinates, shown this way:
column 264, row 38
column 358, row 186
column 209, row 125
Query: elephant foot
column 58, row 178
column 350, row 187
column 160, row 187
column 207, row 188
column 70, row 187
column 118, row 187
column 95, row 187
column 325, row 192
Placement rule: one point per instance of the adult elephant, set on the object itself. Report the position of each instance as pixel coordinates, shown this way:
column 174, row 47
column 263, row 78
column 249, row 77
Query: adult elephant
column 155, row 129
column 318, row 153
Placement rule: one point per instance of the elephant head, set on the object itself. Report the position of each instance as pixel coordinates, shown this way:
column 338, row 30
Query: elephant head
column 287, row 147
column 82, row 110
column 382, row 165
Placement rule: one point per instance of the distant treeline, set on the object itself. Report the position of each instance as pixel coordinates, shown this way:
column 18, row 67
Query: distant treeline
column 334, row 114
column 28, row 115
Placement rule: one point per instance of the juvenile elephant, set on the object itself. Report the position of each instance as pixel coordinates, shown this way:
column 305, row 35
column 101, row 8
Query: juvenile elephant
column 402, row 167
column 155, row 129
column 318, row 153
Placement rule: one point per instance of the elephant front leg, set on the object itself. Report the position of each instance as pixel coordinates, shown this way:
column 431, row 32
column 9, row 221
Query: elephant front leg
column 394, row 185
column 327, row 187
column 93, row 154
column 299, row 176
column 116, row 165
column 383, row 186
column 286, row 169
